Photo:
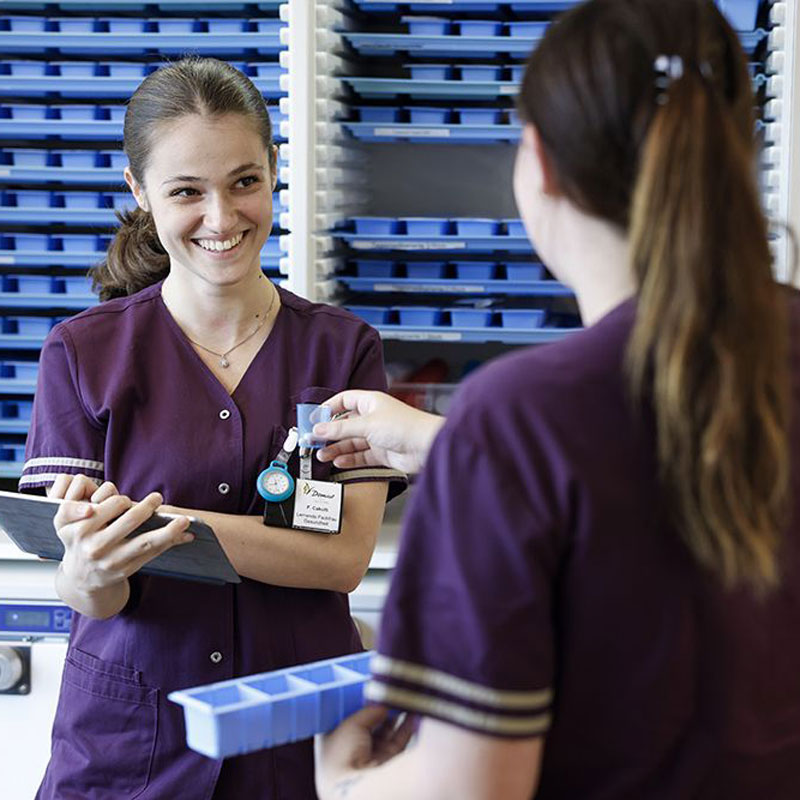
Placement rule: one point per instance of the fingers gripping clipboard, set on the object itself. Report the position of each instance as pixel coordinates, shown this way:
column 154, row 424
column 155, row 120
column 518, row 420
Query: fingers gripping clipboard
column 28, row 522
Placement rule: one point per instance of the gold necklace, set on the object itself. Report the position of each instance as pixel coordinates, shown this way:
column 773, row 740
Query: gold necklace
column 223, row 357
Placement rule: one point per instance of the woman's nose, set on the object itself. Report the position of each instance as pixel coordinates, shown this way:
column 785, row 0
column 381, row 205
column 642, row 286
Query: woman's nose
column 220, row 214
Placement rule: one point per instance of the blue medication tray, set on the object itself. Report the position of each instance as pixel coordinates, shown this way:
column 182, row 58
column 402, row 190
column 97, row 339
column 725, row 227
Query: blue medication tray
column 463, row 46
column 542, row 6
column 390, row 131
column 443, row 333
column 111, row 5
column 263, row 41
column 523, row 287
column 102, row 85
column 444, row 89
column 272, row 708
column 22, row 124
column 443, row 243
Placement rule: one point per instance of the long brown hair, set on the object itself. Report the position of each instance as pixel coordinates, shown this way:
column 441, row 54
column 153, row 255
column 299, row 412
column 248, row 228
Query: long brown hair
column 135, row 257
column 669, row 155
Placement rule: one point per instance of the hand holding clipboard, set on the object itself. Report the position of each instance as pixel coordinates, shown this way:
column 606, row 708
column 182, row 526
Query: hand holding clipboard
column 114, row 538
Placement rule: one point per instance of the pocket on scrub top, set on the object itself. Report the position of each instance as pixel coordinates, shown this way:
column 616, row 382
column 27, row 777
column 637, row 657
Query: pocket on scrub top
column 105, row 728
column 312, row 394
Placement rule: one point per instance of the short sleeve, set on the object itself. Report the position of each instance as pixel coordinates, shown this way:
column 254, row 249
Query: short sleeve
column 63, row 438
column 369, row 373
column 467, row 629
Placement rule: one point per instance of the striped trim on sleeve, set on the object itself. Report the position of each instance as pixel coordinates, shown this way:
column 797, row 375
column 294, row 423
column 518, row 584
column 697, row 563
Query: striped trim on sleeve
column 44, row 470
column 424, row 690
column 369, row 474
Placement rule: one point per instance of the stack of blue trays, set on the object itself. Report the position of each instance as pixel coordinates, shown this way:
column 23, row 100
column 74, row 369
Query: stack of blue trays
column 444, row 53
column 66, row 70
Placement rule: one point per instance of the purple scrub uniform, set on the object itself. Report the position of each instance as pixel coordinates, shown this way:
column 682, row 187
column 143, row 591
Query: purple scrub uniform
column 540, row 590
column 122, row 396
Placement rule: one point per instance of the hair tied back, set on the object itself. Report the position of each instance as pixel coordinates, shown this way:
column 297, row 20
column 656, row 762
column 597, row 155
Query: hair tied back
column 670, row 68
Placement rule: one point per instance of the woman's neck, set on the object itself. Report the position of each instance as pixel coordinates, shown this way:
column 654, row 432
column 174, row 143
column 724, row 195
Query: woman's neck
column 218, row 314
column 593, row 257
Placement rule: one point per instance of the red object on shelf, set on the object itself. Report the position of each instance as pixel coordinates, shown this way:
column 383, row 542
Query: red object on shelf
column 434, row 371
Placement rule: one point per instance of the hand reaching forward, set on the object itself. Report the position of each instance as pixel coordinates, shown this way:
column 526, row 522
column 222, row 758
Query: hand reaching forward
column 377, row 430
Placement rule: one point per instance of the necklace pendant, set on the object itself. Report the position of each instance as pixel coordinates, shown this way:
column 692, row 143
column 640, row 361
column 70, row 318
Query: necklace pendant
column 223, row 362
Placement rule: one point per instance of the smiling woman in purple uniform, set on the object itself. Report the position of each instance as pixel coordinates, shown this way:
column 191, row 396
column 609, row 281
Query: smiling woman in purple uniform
column 180, row 389
column 598, row 588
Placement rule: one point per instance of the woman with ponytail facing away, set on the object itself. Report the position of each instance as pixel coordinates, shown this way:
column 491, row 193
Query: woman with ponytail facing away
column 176, row 392
column 598, row 588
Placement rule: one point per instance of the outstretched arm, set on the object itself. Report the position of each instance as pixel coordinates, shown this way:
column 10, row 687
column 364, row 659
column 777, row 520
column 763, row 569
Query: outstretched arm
column 377, row 430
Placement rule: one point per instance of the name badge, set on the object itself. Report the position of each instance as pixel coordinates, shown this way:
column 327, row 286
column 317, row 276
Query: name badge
column 318, row 506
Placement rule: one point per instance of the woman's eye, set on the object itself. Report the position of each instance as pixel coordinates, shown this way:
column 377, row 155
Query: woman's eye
column 248, row 180
column 184, row 191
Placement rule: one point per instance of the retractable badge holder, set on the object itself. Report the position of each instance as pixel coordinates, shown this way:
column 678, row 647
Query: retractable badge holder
column 275, row 484
column 305, row 504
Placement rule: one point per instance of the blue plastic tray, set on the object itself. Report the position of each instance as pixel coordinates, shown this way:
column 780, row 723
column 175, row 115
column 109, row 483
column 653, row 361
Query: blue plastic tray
column 112, row 5
column 88, row 129
column 392, row 87
column 261, row 42
column 468, row 334
column 463, row 46
column 544, row 6
column 18, row 377
column 447, row 243
column 741, row 13
column 389, row 131
column 102, row 86
column 272, row 708
column 24, row 371
column 529, row 288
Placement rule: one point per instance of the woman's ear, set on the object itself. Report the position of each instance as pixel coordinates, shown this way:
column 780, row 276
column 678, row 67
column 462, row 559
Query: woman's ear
column 136, row 189
column 532, row 139
column 273, row 165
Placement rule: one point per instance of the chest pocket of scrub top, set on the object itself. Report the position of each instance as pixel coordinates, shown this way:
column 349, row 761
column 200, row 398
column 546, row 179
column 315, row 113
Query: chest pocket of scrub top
column 311, row 394
column 105, row 729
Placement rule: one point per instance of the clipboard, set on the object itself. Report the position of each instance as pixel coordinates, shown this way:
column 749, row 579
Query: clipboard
column 28, row 521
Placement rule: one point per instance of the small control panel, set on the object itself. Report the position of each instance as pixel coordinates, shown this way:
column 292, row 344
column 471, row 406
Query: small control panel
column 34, row 619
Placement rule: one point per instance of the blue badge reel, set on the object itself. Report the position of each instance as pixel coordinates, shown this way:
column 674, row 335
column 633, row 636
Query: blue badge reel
column 302, row 504
column 275, row 484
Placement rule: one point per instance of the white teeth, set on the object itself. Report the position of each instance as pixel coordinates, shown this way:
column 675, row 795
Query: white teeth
column 217, row 246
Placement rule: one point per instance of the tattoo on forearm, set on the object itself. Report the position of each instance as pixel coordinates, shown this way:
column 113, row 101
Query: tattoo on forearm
column 343, row 787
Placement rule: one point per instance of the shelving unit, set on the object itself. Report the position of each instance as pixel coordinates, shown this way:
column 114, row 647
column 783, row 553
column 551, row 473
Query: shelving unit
column 66, row 71
column 390, row 112
column 411, row 93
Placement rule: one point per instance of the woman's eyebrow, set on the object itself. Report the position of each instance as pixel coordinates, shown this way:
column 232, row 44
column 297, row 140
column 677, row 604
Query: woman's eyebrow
column 195, row 179
column 246, row 168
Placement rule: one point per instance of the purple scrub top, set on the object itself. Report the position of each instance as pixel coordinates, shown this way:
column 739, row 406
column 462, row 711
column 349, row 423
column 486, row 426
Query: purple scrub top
column 540, row 590
column 122, row 396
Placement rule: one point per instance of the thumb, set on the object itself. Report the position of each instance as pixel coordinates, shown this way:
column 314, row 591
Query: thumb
column 369, row 717
column 348, row 428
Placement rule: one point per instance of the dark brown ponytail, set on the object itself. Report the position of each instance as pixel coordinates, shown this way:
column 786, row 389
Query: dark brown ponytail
column 673, row 162
column 712, row 334
column 135, row 258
